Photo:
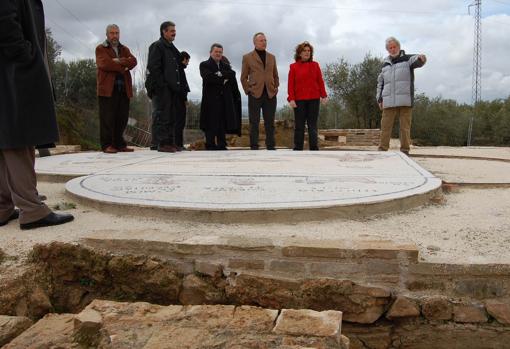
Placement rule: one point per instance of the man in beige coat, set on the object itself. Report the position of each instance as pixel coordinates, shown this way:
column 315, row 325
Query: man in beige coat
column 260, row 81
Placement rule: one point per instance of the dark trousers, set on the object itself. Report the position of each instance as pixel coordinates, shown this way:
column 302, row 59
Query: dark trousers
column 268, row 106
column 180, row 121
column 163, row 117
column 18, row 186
column 113, row 119
column 215, row 138
column 306, row 112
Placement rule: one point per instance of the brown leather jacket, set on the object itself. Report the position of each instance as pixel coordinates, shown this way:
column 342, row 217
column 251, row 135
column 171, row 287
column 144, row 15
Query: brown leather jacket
column 254, row 76
column 107, row 69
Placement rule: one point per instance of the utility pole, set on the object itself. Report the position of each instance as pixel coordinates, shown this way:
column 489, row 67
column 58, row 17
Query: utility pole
column 476, row 96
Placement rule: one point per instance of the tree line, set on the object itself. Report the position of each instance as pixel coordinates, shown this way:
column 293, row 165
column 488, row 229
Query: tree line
column 352, row 104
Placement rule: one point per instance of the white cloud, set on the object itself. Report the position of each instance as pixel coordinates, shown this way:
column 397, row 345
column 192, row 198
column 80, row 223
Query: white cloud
column 441, row 29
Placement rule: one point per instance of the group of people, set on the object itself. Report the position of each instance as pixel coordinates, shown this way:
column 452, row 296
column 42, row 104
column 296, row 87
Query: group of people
column 221, row 109
column 27, row 110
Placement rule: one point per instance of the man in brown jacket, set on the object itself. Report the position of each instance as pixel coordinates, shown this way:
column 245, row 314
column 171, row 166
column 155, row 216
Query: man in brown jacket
column 114, row 89
column 259, row 77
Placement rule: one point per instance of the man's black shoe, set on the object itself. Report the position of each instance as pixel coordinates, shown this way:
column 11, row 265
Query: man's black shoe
column 49, row 220
column 271, row 148
column 13, row 216
column 253, row 147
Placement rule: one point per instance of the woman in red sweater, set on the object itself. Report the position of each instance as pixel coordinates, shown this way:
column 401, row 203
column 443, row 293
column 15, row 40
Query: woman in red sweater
column 306, row 91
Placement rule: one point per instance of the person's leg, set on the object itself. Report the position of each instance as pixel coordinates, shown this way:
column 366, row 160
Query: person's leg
column 299, row 125
column 172, row 112
column 210, row 139
column 405, row 128
column 221, row 130
column 162, row 104
column 311, row 120
column 6, row 204
column 22, row 184
column 388, row 117
column 254, row 105
column 180, row 121
column 268, row 111
column 121, row 119
column 106, row 122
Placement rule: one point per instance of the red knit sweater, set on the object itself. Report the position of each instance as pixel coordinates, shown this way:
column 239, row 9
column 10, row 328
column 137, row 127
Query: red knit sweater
column 305, row 81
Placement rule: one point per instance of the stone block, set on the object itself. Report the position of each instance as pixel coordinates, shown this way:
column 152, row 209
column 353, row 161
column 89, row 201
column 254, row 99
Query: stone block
column 247, row 264
column 403, row 307
column 337, row 270
column 499, row 309
column 319, row 252
column 11, row 327
column 196, row 290
column 437, row 308
column 213, row 269
column 287, row 267
column 210, row 316
column 481, row 288
column 87, row 325
column 254, row 319
column 268, row 292
column 469, row 313
column 309, row 323
column 52, row 331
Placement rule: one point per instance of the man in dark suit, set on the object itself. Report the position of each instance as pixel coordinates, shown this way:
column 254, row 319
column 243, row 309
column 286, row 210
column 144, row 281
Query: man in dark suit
column 163, row 86
column 260, row 81
column 219, row 111
column 27, row 113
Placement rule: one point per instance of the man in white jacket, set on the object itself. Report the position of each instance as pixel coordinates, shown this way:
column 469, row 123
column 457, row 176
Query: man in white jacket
column 395, row 93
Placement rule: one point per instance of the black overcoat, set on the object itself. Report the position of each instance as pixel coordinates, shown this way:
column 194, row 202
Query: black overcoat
column 219, row 97
column 27, row 110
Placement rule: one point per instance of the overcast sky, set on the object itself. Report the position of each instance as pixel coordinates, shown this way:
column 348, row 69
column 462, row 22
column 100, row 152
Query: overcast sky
column 441, row 29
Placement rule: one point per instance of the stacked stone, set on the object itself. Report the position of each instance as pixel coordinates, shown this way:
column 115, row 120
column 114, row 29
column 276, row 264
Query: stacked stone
column 105, row 324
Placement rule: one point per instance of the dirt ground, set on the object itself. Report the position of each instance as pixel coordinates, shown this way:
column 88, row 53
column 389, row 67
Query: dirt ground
column 472, row 225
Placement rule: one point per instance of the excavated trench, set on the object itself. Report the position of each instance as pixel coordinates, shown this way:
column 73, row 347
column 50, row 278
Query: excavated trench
column 65, row 278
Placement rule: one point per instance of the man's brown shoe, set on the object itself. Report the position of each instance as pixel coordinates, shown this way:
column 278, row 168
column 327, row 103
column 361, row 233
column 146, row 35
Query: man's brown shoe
column 110, row 150
column 126, row 150
column 167, row 149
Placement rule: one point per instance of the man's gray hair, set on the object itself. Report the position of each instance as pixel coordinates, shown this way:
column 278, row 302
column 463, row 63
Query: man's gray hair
column 392, row 39
column 111, row 26
column 257, row 34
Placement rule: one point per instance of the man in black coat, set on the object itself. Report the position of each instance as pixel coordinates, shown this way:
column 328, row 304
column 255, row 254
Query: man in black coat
column 220, row 108
column 163, row 86
column 27, row 113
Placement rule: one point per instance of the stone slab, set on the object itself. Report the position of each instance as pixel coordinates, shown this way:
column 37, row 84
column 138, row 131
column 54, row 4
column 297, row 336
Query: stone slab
column 243, row 180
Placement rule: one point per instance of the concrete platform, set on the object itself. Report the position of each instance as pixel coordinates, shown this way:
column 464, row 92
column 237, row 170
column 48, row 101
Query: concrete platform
column 336, row 183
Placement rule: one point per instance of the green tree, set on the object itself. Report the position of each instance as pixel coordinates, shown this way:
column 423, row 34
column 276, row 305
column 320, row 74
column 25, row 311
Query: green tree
column 354, row 86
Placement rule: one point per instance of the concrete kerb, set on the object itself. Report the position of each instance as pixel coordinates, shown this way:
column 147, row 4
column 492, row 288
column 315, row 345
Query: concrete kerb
column 351, row 212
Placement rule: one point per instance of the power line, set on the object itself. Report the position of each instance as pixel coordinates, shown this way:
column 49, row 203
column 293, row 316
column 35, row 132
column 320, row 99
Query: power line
column 501, row 2
column 75, row 17
column 324, row 7
column 69, row 34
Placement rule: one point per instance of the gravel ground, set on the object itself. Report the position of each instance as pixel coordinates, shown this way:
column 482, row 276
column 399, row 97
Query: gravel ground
column 471, row 226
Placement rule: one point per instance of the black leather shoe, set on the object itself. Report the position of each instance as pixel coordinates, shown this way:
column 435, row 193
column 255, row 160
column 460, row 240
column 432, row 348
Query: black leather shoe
column 271, row 148
column 13, row 216
column 51, row 219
